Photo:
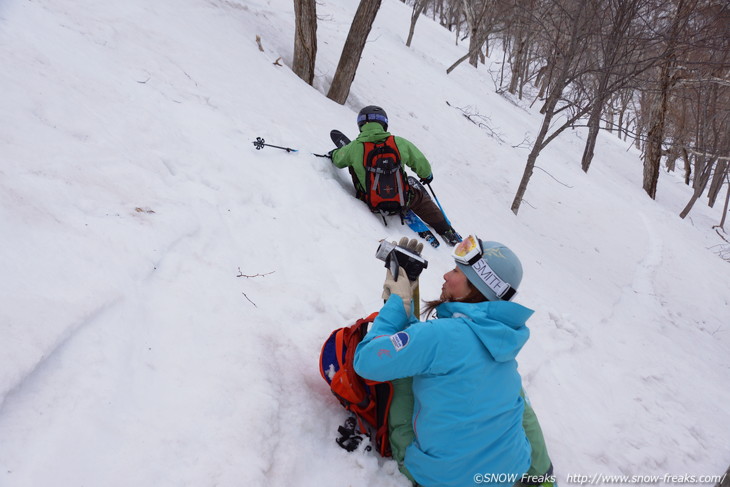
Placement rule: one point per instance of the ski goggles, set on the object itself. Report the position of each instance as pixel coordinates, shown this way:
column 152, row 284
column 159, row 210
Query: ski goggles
column 469, row 252
column 372, row 117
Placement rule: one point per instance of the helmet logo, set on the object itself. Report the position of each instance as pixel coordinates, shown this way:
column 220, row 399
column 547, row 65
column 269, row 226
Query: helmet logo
column 495, row 253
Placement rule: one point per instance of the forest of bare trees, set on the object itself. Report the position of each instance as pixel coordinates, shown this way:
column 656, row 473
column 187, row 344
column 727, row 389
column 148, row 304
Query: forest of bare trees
column 656, row 72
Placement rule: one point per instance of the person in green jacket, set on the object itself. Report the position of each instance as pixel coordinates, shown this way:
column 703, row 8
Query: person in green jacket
column 373, row 123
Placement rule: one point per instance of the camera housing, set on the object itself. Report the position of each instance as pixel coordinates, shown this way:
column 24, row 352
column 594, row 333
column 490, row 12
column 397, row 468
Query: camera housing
column 396, row 256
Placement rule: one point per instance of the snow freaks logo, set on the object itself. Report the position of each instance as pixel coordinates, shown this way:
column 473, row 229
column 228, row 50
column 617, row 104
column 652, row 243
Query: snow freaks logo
column 501, row 478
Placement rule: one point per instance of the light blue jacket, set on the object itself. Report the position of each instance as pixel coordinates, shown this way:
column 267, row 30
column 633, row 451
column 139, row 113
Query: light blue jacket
column 468, row 410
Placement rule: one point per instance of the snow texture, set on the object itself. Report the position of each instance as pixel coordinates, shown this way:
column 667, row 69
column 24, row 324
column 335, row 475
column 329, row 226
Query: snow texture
column 167, row 288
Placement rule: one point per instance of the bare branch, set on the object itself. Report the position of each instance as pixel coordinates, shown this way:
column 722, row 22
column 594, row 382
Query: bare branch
column 241, row 274
column 556, row 179
column 254, row 304
column 481, row 121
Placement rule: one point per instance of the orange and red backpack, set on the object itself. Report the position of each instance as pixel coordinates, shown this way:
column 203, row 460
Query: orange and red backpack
column 386, row 185
column 368, row 400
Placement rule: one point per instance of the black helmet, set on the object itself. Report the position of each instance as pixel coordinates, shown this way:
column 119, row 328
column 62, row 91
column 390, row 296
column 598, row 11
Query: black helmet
column 372, row 113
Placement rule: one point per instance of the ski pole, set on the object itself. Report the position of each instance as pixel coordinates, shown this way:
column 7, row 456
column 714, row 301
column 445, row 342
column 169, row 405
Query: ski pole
column 417, row 302
column 438, row 203
column 259, row 144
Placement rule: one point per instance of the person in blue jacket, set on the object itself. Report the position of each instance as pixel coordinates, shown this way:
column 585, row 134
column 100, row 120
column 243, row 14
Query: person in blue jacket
column 468, row 410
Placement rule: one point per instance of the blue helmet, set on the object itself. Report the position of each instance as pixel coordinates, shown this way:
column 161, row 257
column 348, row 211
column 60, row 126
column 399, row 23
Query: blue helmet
column 372, row 113
column 500, row 261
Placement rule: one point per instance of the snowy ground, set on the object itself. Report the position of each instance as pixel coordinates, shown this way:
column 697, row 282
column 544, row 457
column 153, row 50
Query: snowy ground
column 166, row 287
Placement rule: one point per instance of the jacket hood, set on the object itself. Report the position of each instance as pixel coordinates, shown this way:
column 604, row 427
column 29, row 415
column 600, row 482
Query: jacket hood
column 499, row 325
column 372, row 132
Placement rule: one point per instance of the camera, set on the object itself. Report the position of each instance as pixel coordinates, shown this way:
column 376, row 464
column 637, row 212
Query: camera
column 396, row 256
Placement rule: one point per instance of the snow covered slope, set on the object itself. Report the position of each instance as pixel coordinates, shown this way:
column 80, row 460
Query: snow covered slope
column 166, row 287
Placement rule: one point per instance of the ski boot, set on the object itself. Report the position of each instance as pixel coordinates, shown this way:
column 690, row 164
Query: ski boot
column 451, row 237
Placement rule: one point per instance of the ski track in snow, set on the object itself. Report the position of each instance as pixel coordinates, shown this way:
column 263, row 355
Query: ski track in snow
column 640, row 288
column 71, row 330
column 166, row 375
column 646, row 270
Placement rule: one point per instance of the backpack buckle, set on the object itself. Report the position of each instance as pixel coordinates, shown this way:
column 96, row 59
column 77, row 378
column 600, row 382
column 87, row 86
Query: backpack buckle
column 349, row 439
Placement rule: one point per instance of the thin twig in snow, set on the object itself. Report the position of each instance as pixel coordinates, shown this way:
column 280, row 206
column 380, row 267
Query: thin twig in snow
column 556, row 179
column 254, row 304
column 241, row 274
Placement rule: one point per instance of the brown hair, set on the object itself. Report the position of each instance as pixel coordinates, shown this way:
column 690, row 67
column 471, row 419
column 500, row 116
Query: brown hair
column 474, row 296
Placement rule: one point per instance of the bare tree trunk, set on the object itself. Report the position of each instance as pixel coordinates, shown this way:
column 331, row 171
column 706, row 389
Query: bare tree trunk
column 625, row 98
column 566, row 70
column 700, row 185
column 722, row 225
column 594, row 127
column 716, row 184
column 609, row 125
column 473, row 26
column 520, row 56
column 305, row 39
column 672, row 160
column 687, row 167
column 352, row 51
column 532, row 158
column 655, row 135
column 474, row 21
column 615, row 53
column 418, row 8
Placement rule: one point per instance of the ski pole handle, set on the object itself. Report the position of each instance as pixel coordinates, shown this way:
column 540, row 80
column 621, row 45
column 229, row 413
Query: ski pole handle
column 259, row 144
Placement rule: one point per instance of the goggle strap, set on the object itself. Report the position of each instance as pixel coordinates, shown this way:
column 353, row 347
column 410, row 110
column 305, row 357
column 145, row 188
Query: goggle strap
column 508, row 294
column 501, row 288
column 372, row 117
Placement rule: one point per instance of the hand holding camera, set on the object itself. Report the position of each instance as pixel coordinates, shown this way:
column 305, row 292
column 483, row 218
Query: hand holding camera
column 404, row 254
column 404, row 263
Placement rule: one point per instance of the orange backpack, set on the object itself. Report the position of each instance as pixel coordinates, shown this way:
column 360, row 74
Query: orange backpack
column 368, row 400
column 386, row 185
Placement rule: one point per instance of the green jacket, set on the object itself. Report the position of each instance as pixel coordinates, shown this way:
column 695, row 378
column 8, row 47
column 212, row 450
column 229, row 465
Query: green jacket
column 352, row 154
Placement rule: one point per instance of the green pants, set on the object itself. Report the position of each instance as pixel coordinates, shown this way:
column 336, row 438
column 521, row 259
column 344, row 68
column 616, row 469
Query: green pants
column 400, row 429
column 400, row 422
column 540, row 461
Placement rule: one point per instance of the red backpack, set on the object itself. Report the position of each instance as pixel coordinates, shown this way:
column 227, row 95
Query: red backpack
column 386, row 185
column 368, row 400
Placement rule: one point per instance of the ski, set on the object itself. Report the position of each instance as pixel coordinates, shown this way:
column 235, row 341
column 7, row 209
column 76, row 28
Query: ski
column 339, row 139
column 411, row 219
column 417, row 225
column 415, row 183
